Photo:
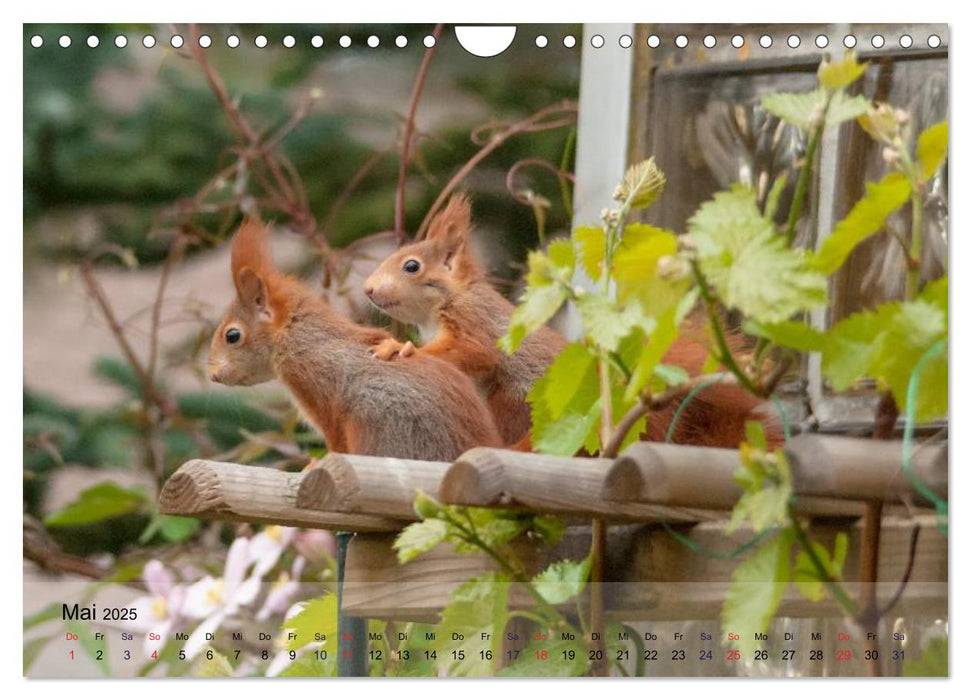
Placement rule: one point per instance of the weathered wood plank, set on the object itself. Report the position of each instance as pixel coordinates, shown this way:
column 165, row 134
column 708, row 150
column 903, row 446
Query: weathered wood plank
column 223, row 491
column 651, row 575
column 361, row 484
column 823, row 466
column 488, row 477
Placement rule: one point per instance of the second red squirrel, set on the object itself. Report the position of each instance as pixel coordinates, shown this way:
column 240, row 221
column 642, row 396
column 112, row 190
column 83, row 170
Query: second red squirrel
column 277, row 327
column 439, row 286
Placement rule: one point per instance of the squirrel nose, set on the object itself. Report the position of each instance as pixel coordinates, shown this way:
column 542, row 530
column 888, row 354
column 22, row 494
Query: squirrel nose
column 214, row 377
column 369, row 291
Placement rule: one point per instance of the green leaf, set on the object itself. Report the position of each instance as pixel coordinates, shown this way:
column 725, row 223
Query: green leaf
column 569, row 433
column 571, row 380
column 836, row 75
column 176, row 528
column 651, row 354
column 606, row 324
column 851, row 345
column 801, row 109
column 915, row 328
column 789, row 334
column 805, row 576
column 887, row 344
column 931, row 662
column 932, row 149
column 90, row 645
column 671, row 375
column 32, row 650
column 751, row 266
column 643, row 183
column 639, row 267
column 563, row 580
column 418, row 538
column 756, row 589
column 549, row 527
column 477, row 607
column 592, row 243
column 562, row 255
column 318, row 616
column 531, row 663
column 216, row 667
column 546, row 289
column 865, row 218
column 843, row 107
column 101, row 502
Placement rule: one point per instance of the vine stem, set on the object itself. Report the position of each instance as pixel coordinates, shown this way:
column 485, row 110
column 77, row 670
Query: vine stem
column 805, row 177
column 725, row 354
column 916, row 243
column 841, row 596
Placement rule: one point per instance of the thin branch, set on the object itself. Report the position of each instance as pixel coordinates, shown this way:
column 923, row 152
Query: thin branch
column 533, row 123
column 416, row 90
column 530, row 162
column 649, row 403
column 905, row 579
column 175, row 250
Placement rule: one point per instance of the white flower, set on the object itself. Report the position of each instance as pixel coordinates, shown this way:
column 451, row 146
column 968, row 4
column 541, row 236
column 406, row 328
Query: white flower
column 159, row 611
column 214, row 599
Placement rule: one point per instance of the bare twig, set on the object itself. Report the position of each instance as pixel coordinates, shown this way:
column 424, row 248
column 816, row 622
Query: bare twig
column 175, row 250
column 406, row 136
column 905, row 579
column 550, row 117
column 657, row 402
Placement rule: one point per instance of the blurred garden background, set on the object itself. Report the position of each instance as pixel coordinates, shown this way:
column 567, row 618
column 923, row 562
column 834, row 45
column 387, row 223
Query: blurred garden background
column 139, row 161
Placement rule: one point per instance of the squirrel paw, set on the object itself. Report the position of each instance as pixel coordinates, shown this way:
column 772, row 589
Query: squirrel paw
column 390, row 348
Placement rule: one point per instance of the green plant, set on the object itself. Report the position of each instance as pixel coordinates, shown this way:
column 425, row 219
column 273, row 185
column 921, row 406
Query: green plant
column 599, row 392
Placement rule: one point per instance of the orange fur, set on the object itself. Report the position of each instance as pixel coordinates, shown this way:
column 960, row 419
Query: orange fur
column 449, row 292
column 278, row 327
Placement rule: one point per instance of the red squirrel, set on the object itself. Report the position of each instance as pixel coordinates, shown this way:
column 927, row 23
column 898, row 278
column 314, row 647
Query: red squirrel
column 439, row 286
column 278, row 327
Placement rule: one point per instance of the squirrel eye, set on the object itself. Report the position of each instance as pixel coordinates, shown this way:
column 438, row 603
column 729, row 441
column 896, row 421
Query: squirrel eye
column 233, row 335
column 411, row 266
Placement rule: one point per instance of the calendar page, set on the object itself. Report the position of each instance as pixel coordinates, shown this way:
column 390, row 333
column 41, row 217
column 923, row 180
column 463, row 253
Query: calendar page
column 487, row 350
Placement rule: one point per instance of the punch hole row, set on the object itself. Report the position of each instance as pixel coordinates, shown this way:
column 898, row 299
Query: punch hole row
column 597, row 41
column 233, row 41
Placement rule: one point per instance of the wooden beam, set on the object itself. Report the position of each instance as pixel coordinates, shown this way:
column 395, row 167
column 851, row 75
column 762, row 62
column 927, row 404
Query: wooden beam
column 488, row 478
column 864, row 469
column 651, row 575
column 360, row 484
column 826, row 469
column 223, row 491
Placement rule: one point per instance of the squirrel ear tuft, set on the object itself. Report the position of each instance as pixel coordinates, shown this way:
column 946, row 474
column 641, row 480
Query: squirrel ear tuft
column 251, row 247
column 451, row 226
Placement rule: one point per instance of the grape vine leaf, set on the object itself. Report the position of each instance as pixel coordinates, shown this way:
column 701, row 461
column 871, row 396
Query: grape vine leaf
column 477, row 607
column 546, row 289
column 643, row 183
column 562, row 580
column 418, row 538
column 801, row 109
column 755, row 591
column 748, row 263
column 835, row 75
column 865, row 218
column 804, row 574
column 932, row 149
column 317, row 616
column 591, row 240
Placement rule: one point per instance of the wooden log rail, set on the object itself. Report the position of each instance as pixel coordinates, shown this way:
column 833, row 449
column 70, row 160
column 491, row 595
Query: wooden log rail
column 649, row 482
